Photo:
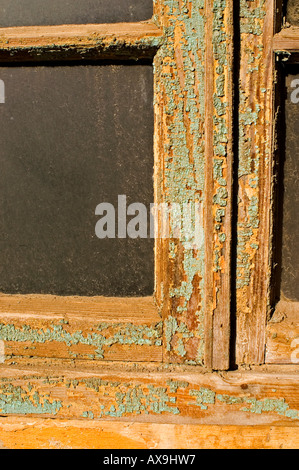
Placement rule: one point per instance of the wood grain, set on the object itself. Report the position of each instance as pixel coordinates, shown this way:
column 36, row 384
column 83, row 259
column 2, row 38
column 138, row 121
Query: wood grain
column 219, row 155
column 104, row 41
column 179, row 177
column 60, row 390
column 25, row 433
column 193, row 155
column 287, row 40
column 256, row 95
column 283, row 334
column 81, row 327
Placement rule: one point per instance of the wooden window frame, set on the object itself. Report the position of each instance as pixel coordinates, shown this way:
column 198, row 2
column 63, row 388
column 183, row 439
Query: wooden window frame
column 282, row 335
column 266, row 331
column 116, row 319
column 168, row 361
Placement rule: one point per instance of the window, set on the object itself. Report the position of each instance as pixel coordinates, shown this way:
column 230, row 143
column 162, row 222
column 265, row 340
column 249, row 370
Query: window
column 36, row 13
column 194, row 352
column 282, row 335
column 77, row 135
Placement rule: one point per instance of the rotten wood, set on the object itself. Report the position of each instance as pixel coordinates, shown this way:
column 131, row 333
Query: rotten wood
column 282, row 345
column 80, row 327
column 80, row 42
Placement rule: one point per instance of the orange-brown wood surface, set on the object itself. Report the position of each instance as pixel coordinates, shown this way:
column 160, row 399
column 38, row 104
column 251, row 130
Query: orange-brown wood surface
column 256, row 95
column 63, row 389
column 81, row 327
column 24, row 433
column 93, row 41
column 283, row 334
column 287, row 40
column 89, row 373
column 87, row 35
column 218, row 109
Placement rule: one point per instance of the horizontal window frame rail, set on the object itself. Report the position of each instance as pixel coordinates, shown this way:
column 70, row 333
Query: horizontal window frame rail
column 287, row 40
column 159, row 393
column 94, row 328
column 23, row 433
column 116, row 41
column 286, row 45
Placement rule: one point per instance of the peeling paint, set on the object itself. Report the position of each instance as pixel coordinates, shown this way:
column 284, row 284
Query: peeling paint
column 99, row 398
column 17, row 400
column 179, row 72
column 274, row 405
column 254, row 167
column 102, row 336
column 91, row 47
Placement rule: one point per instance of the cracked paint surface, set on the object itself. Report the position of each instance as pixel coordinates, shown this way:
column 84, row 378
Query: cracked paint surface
column 179, row 150
column 254, row 178
column 100, row 337
column 180, row 113
column 98, row 398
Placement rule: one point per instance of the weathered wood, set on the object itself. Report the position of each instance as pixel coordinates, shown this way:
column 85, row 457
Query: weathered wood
column 179, row 176
column 104, row 41
column 218, row 182
column 193, row 138
column 152, row 394
column 282, row 345
column 39, row 433
column 287, row 40
column 255, row 178
column 81, row 327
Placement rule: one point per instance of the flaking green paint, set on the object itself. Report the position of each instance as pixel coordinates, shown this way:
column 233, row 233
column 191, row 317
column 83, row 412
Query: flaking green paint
column 203, row 396
column 251, row 17
column 184, row 159
column 274, row 405
column 252, row 21
column 17, row 400
column 113, row 398
column 103, row 336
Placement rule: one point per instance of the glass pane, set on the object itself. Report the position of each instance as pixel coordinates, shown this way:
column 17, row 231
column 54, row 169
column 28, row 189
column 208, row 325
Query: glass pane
column 290, row 243
column 55, row 12
column 293, row 12
column 74, row 137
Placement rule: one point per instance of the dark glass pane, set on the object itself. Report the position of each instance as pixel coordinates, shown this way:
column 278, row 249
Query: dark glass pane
column 55, row 12
column 293, row 12
column 73, row 137
column 290, row 243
